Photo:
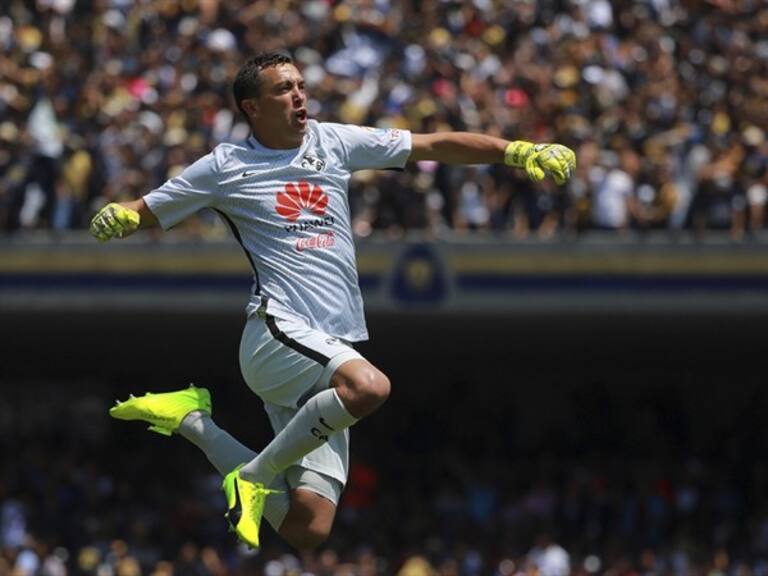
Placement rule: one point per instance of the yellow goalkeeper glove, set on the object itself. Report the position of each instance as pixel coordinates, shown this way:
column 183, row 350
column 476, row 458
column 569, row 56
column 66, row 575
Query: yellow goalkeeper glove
column 541, row 159
column 114, row 221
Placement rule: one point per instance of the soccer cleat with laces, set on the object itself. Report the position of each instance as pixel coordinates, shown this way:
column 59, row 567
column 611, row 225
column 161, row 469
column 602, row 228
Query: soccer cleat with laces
column 163, row 411
column 245, row 506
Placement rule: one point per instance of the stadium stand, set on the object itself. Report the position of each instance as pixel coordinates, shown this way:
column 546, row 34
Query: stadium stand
column 663, row 100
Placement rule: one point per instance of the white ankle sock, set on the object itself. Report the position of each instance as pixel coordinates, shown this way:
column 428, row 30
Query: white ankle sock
column 322, row 415
column 226, row 453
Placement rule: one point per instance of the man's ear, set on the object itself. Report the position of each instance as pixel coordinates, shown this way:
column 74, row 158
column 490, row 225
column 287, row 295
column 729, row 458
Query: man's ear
column 250, row 106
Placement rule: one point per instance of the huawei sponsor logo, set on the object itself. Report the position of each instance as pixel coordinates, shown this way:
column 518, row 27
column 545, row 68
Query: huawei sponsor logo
column 322, row 240
column 303, row 197
column 309, row 224
column 306, row 198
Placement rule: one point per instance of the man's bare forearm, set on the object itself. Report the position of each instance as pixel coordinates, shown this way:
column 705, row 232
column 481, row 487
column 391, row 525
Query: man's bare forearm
column 458, row 148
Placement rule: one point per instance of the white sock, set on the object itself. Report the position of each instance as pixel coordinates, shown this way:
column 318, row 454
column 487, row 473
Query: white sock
column 322, row 415
column 226, row 453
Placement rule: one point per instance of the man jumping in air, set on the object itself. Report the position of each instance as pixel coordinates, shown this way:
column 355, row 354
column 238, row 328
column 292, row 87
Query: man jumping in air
column 283, row 192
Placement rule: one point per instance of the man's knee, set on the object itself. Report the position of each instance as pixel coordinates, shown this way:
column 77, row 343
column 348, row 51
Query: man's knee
column 361, row 386
column 373, row 385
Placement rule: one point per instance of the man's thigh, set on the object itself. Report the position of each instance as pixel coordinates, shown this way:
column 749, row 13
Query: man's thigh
column 285, row 362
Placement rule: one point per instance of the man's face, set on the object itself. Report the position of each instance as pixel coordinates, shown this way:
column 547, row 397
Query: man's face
column 280, row 114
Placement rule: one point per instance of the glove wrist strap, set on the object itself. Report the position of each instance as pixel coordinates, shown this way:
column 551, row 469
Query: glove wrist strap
column 517, row 152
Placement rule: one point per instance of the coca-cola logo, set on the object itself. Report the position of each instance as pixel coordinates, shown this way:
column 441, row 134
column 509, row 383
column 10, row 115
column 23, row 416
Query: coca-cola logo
column 322, row 240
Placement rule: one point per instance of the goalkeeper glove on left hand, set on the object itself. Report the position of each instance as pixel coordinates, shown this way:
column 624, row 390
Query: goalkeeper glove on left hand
column 541, row 159
column 114, row 221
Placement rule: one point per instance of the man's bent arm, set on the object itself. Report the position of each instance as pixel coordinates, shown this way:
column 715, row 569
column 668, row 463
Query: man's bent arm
column 121, row 219
column 457, row 148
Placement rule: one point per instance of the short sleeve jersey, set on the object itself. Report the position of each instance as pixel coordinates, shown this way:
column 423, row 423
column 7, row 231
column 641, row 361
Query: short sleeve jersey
column 289, row 210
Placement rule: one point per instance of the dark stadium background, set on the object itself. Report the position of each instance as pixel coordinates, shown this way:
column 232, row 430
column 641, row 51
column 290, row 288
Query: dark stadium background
column 522, row 384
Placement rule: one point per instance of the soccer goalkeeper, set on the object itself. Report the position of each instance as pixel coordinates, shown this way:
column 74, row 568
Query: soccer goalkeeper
column 283, row 192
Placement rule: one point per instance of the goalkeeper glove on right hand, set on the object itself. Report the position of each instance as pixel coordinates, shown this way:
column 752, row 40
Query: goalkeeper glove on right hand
column 541, row 159
column 114, row 221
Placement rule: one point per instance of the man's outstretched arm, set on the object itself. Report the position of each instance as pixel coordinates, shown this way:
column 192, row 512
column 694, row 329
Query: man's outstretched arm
column 121, row 219
column 538, row 160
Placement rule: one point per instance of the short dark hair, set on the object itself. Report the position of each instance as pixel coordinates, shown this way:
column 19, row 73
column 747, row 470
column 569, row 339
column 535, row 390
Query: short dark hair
column 248, row 82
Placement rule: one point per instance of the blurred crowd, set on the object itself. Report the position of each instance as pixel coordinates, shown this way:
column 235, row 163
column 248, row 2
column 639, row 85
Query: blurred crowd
column 529, row 517
column 631, row 490
column 665, row 102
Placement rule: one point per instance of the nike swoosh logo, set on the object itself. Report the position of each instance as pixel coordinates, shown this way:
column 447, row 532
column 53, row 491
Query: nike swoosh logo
column 236, row 512
column 249, row 173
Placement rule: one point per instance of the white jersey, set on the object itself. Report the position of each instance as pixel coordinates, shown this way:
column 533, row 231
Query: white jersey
column 289, row 210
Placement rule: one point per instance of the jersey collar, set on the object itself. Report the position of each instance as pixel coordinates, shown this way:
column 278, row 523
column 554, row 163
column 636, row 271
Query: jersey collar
column 257, row 146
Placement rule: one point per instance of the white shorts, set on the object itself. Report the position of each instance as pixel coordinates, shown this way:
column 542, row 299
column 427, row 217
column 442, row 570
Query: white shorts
column 286, row 363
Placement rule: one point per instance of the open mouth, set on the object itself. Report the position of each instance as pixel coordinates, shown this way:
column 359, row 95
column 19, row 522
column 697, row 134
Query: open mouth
column 301, row 115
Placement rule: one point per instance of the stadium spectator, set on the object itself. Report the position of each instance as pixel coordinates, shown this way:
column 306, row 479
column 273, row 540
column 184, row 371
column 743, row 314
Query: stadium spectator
column 614, row 203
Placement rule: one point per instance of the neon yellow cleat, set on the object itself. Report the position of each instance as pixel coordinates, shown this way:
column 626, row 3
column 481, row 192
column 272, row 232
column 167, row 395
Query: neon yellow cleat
column 245, row 503
column 164, row 411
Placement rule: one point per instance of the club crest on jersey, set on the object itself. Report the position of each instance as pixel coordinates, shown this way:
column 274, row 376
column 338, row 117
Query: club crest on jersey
column 303, row 198
column 313, row 163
